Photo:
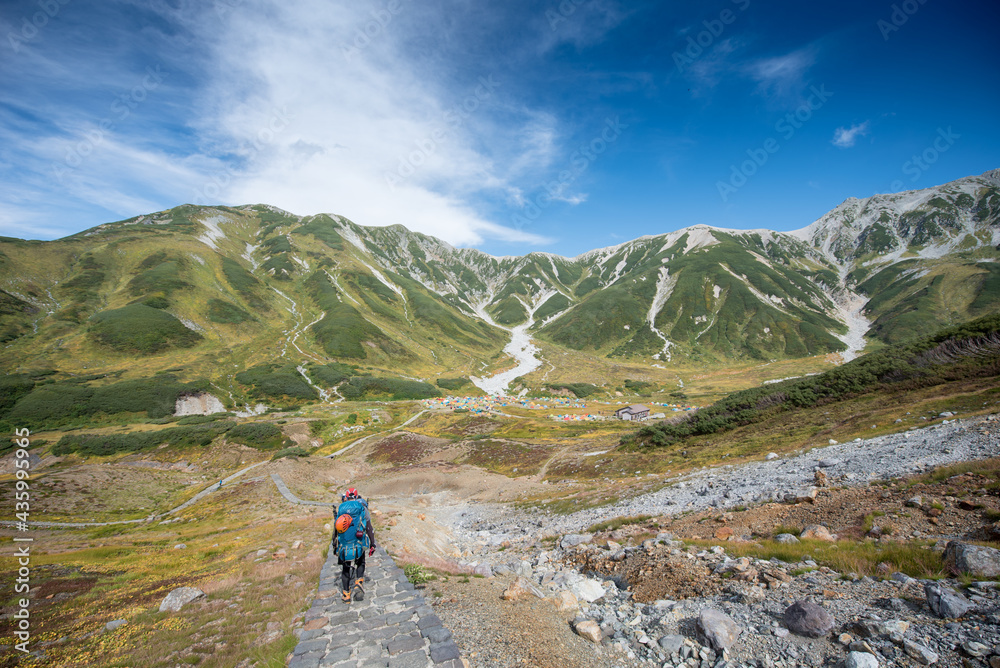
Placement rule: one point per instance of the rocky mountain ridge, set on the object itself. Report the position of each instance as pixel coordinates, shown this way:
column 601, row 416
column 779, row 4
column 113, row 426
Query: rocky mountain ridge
column 236, row 279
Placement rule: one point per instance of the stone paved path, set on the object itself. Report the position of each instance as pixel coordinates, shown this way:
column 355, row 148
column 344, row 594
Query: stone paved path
column 393, row 627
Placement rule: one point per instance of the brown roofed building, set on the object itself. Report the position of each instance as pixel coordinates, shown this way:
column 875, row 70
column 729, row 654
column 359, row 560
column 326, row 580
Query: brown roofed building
column 633, row 412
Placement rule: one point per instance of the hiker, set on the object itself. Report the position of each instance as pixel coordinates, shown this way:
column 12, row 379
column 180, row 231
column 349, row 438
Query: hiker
column 351, row 537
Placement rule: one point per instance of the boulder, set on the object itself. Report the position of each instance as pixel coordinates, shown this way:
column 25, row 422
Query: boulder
column 671, row 644
column 976, row 560
column 859, row 660
column 922, row 655
column 718, row 629
column 809, row 619
column 574, row 539
column 946, row 603
column 180, row 597
column 521, row 587
column 915, row 502
column 566, row 601
column 786, row 538
column 587, row 590
column 483, row 569
column 590, row 630
column 818, row 532
column 111, row 626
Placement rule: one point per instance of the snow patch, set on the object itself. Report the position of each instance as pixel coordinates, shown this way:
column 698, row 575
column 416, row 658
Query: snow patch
column 665, row 285
column 213, row 233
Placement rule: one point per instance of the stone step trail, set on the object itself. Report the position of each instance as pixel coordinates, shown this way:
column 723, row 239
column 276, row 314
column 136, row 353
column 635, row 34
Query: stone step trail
column 393, row 627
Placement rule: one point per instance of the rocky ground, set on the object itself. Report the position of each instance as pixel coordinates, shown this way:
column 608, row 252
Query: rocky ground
column 634, row 595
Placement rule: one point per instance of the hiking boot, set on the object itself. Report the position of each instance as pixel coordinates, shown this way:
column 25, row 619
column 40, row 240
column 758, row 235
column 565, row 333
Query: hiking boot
column 346, row 597
column 359, row 589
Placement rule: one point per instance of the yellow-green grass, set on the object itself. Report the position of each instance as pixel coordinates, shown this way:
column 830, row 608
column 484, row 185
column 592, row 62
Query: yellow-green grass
column 125, row 573
column 914, row 557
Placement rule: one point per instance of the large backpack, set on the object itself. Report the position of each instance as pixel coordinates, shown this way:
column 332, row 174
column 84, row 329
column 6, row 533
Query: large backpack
column 353, row 542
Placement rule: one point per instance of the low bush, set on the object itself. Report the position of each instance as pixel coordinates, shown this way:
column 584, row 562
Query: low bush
column 289, row 452
column 967, row 351
column 396, row 389
column 52, row 404
column 260, row 435
column 225, row 313
column 141, row 329
column 102, row 445
column 277, row 381
column 581, row 390
column 330, row 375
column 618, row 522
column 452, row 384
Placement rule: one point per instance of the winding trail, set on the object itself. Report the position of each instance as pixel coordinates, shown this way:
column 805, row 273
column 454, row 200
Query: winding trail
column 365, row 438
column 287, row 493
column 215, row 486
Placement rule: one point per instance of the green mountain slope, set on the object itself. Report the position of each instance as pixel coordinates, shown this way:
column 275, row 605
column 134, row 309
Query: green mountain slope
column 214, row 291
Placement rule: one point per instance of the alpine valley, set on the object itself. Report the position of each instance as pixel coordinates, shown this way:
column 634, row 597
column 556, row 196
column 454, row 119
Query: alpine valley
column 250, row 297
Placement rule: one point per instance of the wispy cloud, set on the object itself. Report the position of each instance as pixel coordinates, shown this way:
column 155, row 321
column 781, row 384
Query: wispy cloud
column 846, row 137
column 307, row 105
column 782, row 77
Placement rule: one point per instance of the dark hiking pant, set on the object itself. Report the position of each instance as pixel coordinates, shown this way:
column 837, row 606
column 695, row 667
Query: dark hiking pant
column 345, row 574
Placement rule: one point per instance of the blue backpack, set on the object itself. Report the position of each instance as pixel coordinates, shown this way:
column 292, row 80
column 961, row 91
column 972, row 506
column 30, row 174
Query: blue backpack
column 353, row 542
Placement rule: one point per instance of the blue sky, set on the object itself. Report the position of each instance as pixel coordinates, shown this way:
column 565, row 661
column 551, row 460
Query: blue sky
column 509, row 127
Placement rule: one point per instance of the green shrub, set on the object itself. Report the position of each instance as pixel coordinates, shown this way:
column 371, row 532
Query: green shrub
column 141, row 329
column 260, row 435
column 637, row 386
column 581, row 390
column 289, row 452
column 276, row 245
column 157, row 302
column 52, row 404
column 330, row 375
column 12, row 388
column 203, row 419
column 953, row 354
column 452, row 384
column 244, row 283
column 343, row 331
column 397, row 389
column 274, row 381
column 322, row 227
column 161, row 275
column 223, row 312
column 102, row 445
column 416, row 575
column 157, row 396
column 280, row 266
column 618, row 522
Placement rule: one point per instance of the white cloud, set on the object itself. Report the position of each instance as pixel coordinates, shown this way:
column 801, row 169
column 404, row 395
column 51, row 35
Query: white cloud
column 846, row 137
column 783, row 77
column 326, row 121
